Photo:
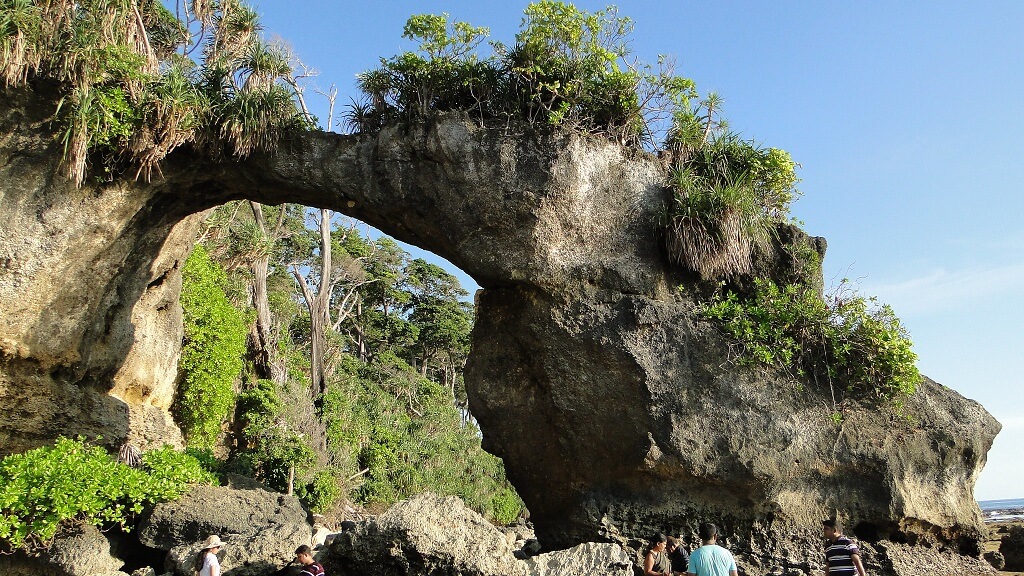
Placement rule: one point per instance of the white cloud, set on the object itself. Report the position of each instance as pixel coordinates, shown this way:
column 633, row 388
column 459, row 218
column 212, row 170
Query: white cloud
column 943, row 289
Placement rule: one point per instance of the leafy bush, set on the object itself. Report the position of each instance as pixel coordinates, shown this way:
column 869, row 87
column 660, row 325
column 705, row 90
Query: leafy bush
column 44, row 489
column 407, row 437
column 321, row 491
column 211, row 357
column 271, row 450
column 567, row 67
column 859, row 348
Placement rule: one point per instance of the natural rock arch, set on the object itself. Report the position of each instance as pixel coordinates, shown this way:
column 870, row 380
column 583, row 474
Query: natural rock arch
column 615, row 410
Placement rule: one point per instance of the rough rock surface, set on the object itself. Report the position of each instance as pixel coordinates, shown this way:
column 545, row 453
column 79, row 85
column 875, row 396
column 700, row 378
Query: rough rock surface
column 427, row 534
column 614, row 408
column 82, row 551
column 259, row 553
column 996, row 559
column 587, row 559
column 1012, row 548
column 207, row 510
column 906, row 560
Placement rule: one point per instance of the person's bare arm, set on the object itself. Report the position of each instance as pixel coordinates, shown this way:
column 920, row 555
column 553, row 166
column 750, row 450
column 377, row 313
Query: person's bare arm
column 649, row 565
column 858, row 564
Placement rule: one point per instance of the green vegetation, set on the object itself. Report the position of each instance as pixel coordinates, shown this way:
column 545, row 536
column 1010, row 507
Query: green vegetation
column 729, row 194
column 131, row 89
column 567, row 67
column 211, row 356
column 860, row 349
column 48, row 488
column 392, row 418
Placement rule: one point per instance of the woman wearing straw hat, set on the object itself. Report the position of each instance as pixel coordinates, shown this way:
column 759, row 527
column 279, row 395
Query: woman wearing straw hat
column 206, row 563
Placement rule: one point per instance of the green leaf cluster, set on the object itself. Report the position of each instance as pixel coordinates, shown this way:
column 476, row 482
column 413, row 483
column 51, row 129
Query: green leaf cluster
column 567, row 67
column 859, row 348
column 130, row 89
column 47, row 488
column 728, row 193
column 408, row 437
column 213, row 349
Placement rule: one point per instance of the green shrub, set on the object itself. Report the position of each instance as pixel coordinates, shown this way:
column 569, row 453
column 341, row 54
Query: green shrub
column 46, row 488
column 860, row 349
column 728, row 193
column 137, row 101
column 506, row 506
column 270, row 450
column 567, row 67
column 211, row 357
column 321, row 491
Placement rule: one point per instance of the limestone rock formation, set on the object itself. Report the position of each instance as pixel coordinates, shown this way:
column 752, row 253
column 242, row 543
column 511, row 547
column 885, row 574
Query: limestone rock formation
column 206, row 510
column 587, row 559
column 1012, row 548
column 82, row 551
column 615, row 409
column 426, row 534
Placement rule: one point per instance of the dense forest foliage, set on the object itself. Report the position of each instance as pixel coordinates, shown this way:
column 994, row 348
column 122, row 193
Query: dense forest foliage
column 352, row 383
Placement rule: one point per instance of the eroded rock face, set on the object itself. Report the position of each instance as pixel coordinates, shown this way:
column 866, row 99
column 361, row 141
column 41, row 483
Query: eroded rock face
column 81, row 551
column 89, row 283
column 206, row 510
column 426, row 534
column 615, row 409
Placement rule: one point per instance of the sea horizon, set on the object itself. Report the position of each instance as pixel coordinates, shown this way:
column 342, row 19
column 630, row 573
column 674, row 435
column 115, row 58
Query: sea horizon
column 1000, row 503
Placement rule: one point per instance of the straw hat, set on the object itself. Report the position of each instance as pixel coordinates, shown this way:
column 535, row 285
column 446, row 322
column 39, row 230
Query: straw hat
column 212, row 542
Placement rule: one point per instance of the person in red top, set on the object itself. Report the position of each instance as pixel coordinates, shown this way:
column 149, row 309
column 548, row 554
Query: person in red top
column 304, row 556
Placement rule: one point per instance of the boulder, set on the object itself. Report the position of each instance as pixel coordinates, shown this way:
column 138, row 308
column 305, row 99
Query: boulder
column 262, row 552
column 426, row 534
column 587, row 559
column 996, row 559
column 80, row 551
column 1012, row 548
column 898, row 559
column 206, row 510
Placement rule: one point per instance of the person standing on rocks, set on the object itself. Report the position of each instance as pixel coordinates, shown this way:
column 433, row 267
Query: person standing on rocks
column 678, row 556
column 711, row 559
column 206, row 563
column 657, row 563
column 304, row 556
column 842, row 556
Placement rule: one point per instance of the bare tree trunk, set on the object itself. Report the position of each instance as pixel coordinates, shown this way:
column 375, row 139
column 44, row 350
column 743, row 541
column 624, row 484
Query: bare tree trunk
column 264, row 359
column 318, row 305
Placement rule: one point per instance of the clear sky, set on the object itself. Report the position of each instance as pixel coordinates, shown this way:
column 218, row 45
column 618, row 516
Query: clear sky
column 907, row 119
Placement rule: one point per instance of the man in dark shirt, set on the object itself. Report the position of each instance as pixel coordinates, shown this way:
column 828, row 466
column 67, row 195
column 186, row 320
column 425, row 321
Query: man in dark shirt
column 304, row 556
column 678, row 555
column 842, row 557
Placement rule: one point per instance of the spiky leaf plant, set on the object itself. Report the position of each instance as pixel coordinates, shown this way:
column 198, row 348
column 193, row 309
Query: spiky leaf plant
column 129, row 96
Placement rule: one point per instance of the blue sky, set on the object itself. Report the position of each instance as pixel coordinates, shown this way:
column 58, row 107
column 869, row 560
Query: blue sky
column 907, row 119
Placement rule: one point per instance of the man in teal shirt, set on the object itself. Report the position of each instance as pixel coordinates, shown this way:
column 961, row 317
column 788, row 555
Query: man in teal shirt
column 711, row 559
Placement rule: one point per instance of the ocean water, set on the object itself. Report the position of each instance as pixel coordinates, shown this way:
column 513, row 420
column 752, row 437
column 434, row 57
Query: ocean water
column 1007, row 509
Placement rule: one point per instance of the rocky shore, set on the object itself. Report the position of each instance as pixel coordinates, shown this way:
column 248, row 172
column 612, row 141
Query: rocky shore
column 425, row 535
column 1004, row 544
